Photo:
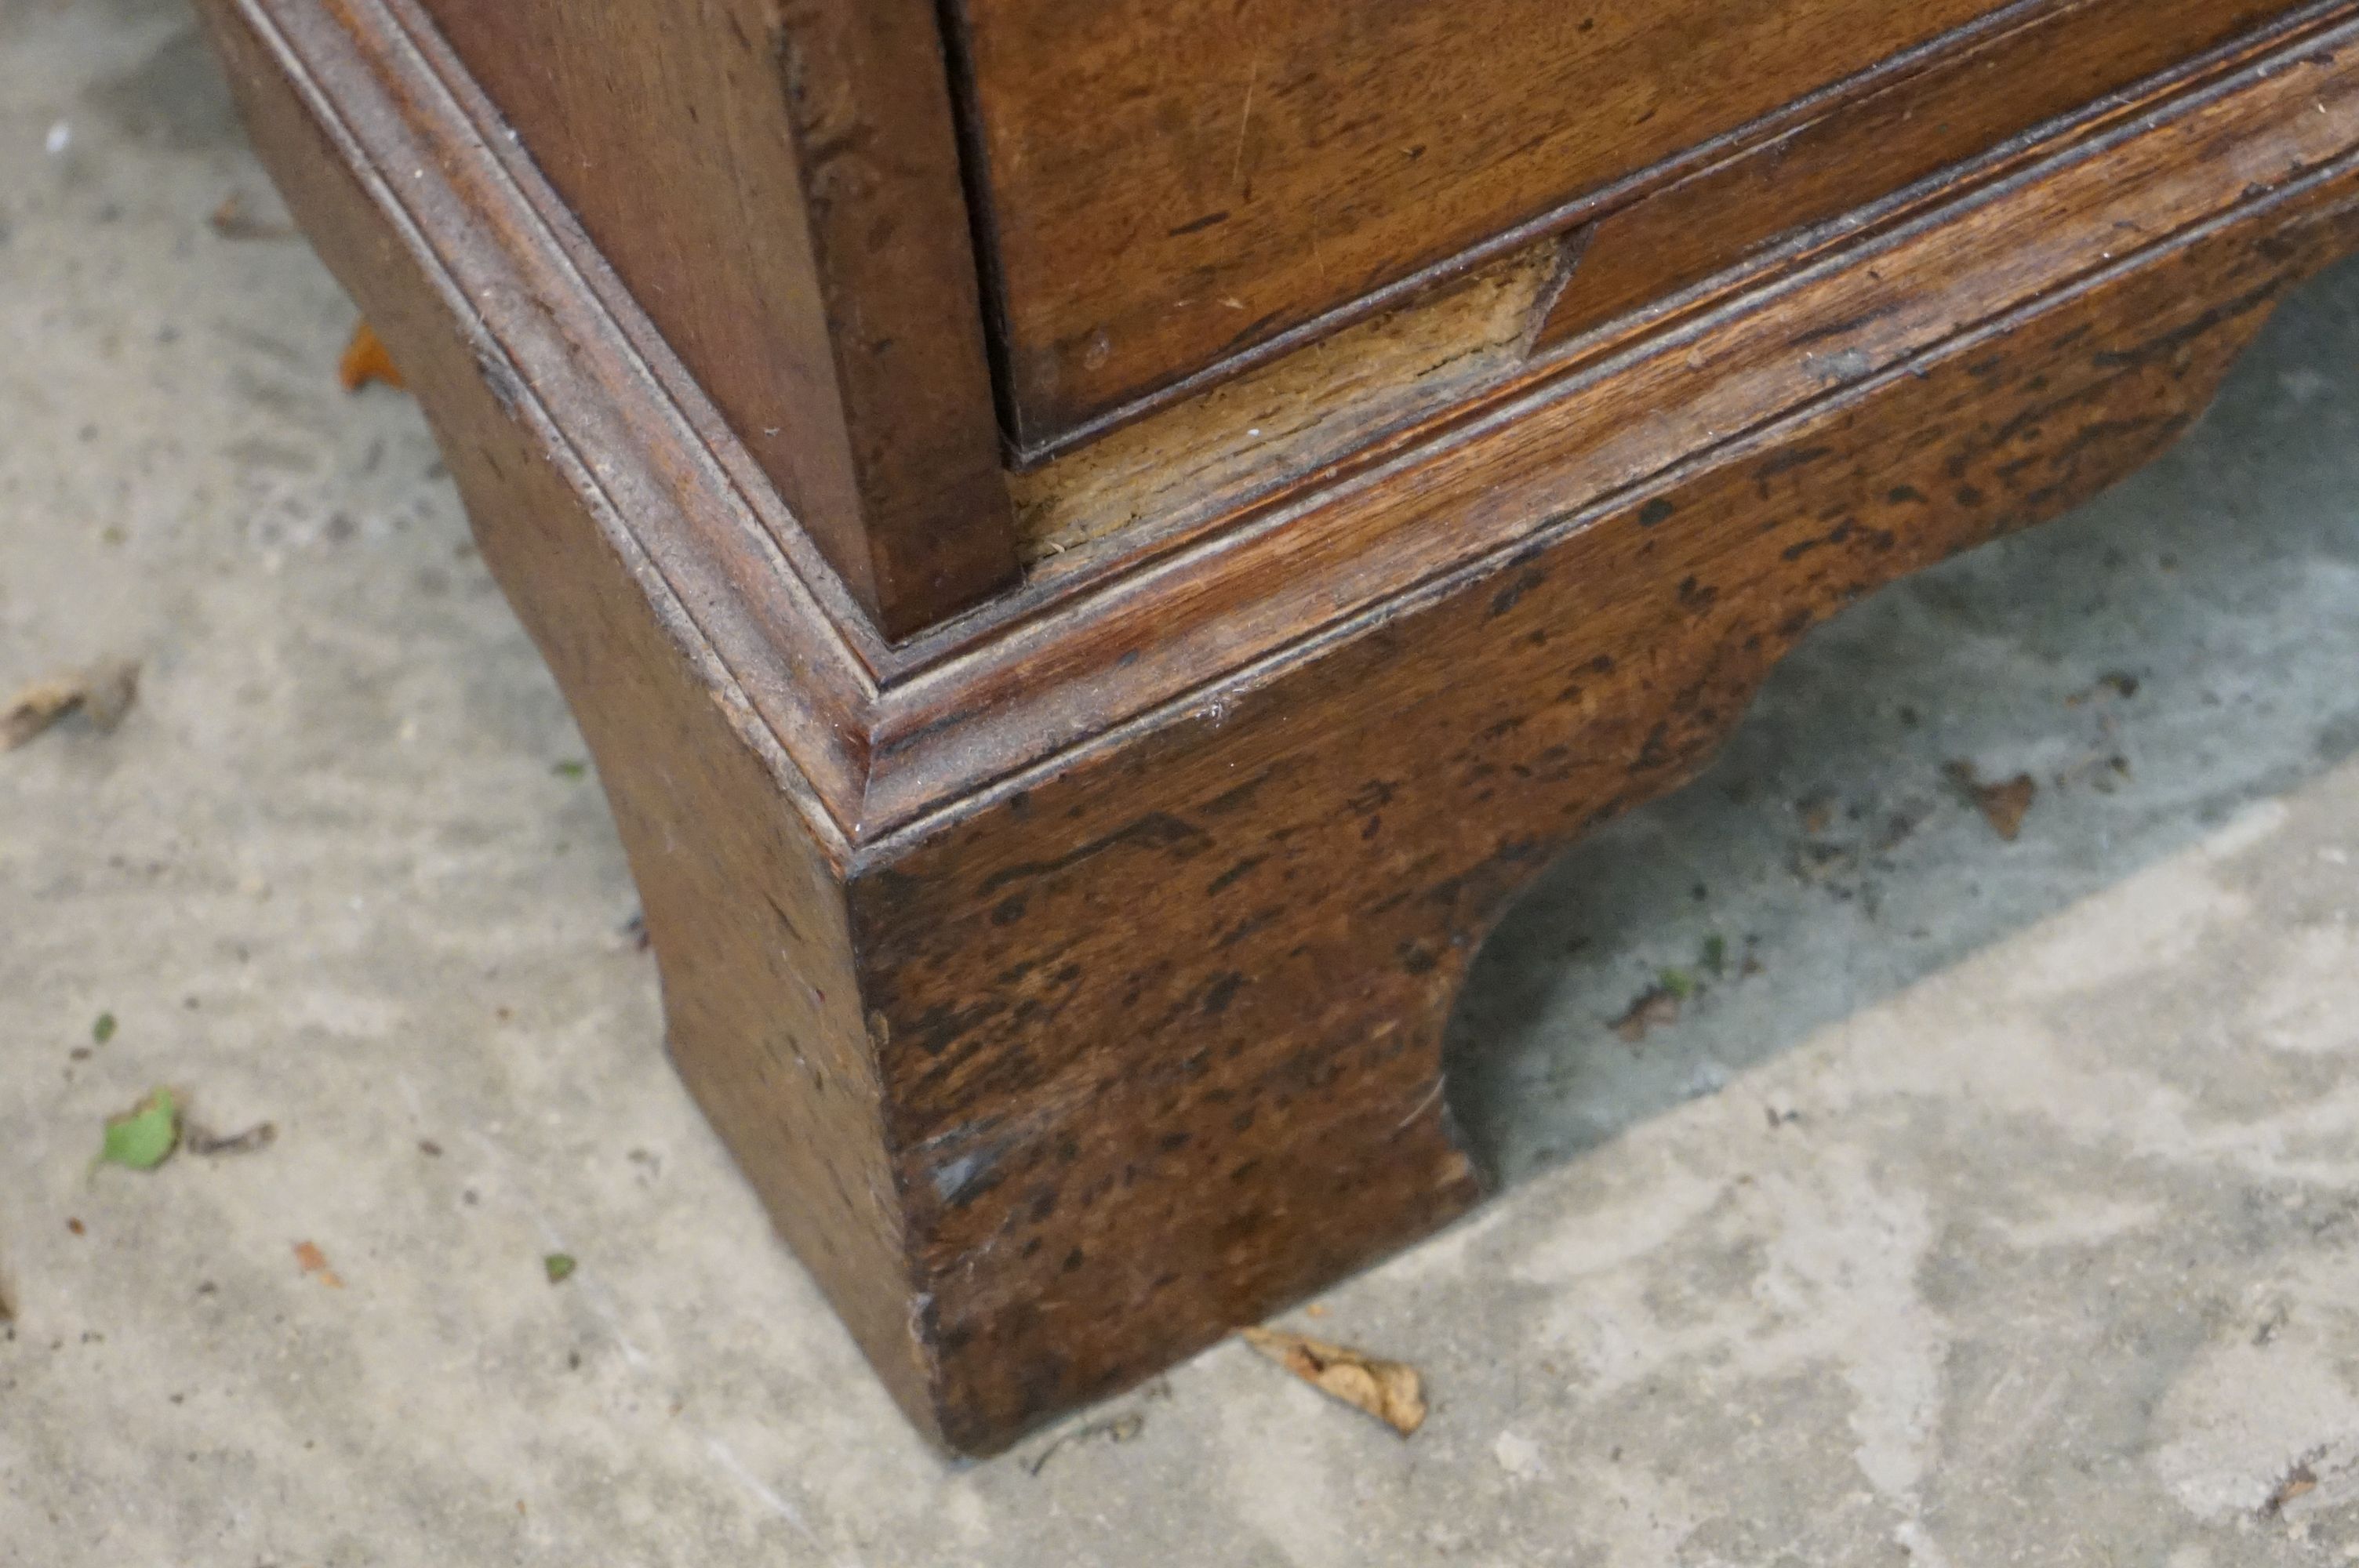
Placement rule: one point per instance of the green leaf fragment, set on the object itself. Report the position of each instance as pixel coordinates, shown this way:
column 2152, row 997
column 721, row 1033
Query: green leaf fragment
column 1716, row 955
column 145, row 1136
column 1679, row 983
column 104, row 1030
column 571, row 770
column 561, row 1266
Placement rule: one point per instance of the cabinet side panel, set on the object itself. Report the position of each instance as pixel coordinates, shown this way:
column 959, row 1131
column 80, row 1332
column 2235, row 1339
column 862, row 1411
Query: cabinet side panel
column 779, row 185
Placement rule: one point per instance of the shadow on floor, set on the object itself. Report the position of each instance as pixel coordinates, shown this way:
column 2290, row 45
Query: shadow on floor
column 2178, row 649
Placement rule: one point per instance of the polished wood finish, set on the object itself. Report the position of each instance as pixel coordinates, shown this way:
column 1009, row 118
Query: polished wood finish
column 779, row 187
column 1071, row 979
column 1174, row 193
column 1166, row 185
column 2088, row 62
column 1257, row 440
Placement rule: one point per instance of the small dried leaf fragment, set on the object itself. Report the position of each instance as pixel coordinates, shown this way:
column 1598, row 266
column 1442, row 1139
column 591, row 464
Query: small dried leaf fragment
column 2299, row 1482
column 1390, row 1390
column 231, row 220
column 102, row 694
column 365, row 360
column 145, row 1136
column 36, row 707
column 311, row 1260
column 559, row 1267
column 1658, row 1009
column 203, row 1140
column 2002, row 804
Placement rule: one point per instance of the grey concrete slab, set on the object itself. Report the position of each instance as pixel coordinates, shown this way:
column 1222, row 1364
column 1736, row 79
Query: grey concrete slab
column 1992, row 1204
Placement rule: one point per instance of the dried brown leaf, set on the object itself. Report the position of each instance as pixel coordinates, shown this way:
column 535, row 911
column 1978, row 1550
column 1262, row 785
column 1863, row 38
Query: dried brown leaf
column 102, row 694
column 36, row 707
column 200, row 1140
column 1816, row 864
column 365, row 360
column 2002, row 804
column 231, row 220
column 2299, row 1482
column 311, row 1260
column 1390, row 1390
column 1658, row 1009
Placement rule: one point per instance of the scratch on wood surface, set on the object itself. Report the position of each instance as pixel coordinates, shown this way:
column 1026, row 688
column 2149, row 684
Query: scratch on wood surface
column 1570, row 250
column 1244, row 121
column 1422, row 1106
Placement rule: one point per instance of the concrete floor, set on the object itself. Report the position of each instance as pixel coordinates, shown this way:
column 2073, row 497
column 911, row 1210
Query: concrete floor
column 2007, row 1212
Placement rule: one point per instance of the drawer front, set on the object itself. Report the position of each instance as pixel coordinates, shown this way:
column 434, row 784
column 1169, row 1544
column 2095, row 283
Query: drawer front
column 2091, row 60
column 1166, row 183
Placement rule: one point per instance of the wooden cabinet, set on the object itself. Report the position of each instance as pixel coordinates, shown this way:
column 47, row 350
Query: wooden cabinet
column 908, row 250
column 1071, row 731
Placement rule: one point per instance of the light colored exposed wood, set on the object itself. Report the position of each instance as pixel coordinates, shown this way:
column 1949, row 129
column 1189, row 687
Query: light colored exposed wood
column 1274, row 426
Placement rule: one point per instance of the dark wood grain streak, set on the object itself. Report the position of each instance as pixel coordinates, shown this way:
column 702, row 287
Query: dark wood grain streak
column 1066, row 1023
column 777, row 181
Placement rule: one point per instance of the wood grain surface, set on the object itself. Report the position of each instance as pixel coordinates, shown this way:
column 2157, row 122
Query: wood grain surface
column 779, row 185
column 1132, row 631
column 2077, row 60
column 1168, row 184
column 1163, row 1031
column 1767, row 211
